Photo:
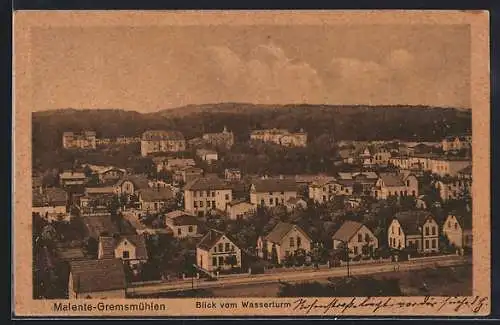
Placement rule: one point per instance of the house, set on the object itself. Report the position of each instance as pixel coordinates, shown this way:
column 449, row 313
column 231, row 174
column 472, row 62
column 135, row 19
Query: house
column 131, row 184
column 321, row 190
column 365, row 157
column 97, row 279
column 207, row 155
column 97, row 197
column 448, row 166
column 395, row 184
column 172, row 164
column 458, row 230
column 71, row 178
column 417, row 229
column 187, row 174
column 456, row 143
column 281, row 137
column 270, row 192
column 128, row 248
column 154, row 200
column 217, row 251
column 349, row 183
column 345, row 156
column 84, row 140
column 295, row 203
column 99, row 224
column 223, row 139
column 51, row 203
column 285, row 239
column 110, row 175
column 182, row 224
column 357, row 237
column 232, row 174
column 381, row 157
column 240, row 209
column 157, row 141
column 204, row 194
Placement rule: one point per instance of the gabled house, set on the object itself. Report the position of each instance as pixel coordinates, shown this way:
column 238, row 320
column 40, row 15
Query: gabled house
column 217, row 251
column 204, row 194
column 207, row 155
column 270, row 192
column 131, row 184
column 128, row 248
column 240, row 209
column 284, row 240
column 322, row 190
column 111, row 175
column 395, row 184
column 97, row 279
column 51, row 203
column 458, row 230
column 417, row 229
column 154, row 200
column 182, row 224
column 71, row 178
column 356, row 237
column 187, row 174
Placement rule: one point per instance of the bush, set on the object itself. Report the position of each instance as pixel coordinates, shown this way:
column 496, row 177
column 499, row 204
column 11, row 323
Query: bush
column 356, row 258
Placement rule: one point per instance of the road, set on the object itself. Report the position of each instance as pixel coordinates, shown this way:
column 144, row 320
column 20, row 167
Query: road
column 363, row 269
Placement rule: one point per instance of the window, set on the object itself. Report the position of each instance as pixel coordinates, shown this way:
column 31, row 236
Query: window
column 179, row 231
column 215, row 249
column 212, row 194
column 355, row 249
column 433, row 243
column 426, row 244
column 408, row 183
column 456, row 225
column 221, row 247
column 195, row 204
column 360, row 238
column 195, row 193
column 277, row 201
column 292, row 242
column 299, row 242
column 201, row 204
column 399, row 230
column 126, row 254
column 213, row 205
column 190, row 229
column 399, row 243
column 324, row 198
column 221, row 260
column 214, row 261
column 227, row 247
column 282, row 193
column 270, row 193
column 271, row 201
column 427, row 231
column 262, row 202
column 232, row 248
column 433, row 231
column 227, row 197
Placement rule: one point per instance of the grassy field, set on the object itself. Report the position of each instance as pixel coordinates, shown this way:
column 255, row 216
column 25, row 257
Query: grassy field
column 444, row 281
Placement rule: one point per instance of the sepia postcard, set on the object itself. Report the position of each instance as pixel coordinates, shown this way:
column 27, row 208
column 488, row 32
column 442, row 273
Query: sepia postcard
column 251, row 163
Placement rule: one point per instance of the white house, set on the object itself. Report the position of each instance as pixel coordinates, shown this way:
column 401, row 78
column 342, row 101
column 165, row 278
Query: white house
column 70, row 178
column 417, row 229
column 395, row 184
column 182, row 224
column 358, row 238
column 284, row 240
column 240, row 209
column 207, row 155
column 154, row 200
column 128, row 248
column 154, row 141
column 458, row 230
column 51, row 204
column 271, row 192
column 217, row 251
column 295, row 203
column 204, row 194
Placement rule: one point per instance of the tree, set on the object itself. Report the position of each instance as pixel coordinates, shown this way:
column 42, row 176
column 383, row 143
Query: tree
column 231, row 260
column 90, row 246
column 274, row 255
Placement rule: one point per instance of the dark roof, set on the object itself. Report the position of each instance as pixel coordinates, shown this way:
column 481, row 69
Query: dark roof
column 211, row 238
column 207, row 183
column 275, row 185
column 49, row 196
column 70, row 254
column 185, row 220
column 392, row 179
column 294, row 200
column 411, row 220
column 466, row 170
column 139, row 181
column 156, row 135
column 159, row 194
column 465, row 221
column 347, row 230
column 109, row 244
column 280, row 230
column 97, row 224
column 97, row 275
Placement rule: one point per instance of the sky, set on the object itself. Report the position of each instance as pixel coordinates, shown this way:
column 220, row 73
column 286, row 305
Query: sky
column 147, row 69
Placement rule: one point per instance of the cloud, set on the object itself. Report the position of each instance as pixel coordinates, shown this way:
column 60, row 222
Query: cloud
column 267, row 75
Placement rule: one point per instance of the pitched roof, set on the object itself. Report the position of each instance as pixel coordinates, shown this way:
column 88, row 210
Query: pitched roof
column 391, row 179
column 410, row 221
column 156, row 135
column 185, row 220
column 347, row 230
column 275, row 185
column 109, row 245
column 159, row 194
column 139, row 181
column 49, row 196
column 97, row 275
column 280, row 230
column 97, row 224
column 207, row 183
column 211, row 238
column 466, row 170
column 465, row 220
column 100, row 190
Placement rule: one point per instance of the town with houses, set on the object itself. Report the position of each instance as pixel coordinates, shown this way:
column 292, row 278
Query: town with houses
column 103, row 231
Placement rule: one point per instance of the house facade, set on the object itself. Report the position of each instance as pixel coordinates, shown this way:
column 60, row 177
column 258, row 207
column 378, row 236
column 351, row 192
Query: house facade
column 128, row 248
column 182, row 224
column 240, row 209
column 417, row 229
column 84, row 140
column 458, row 230
column 222, row 139
column 153, row 200
column 204, row 194
column 356, row 237
column 71, row 178
column 281, row 137
column 456, row 143
column 50, row 203
column 217, row 251
column 395, row 184
column 284, row 240
column 207, row 155
column 157, row 141
column 271, row 192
